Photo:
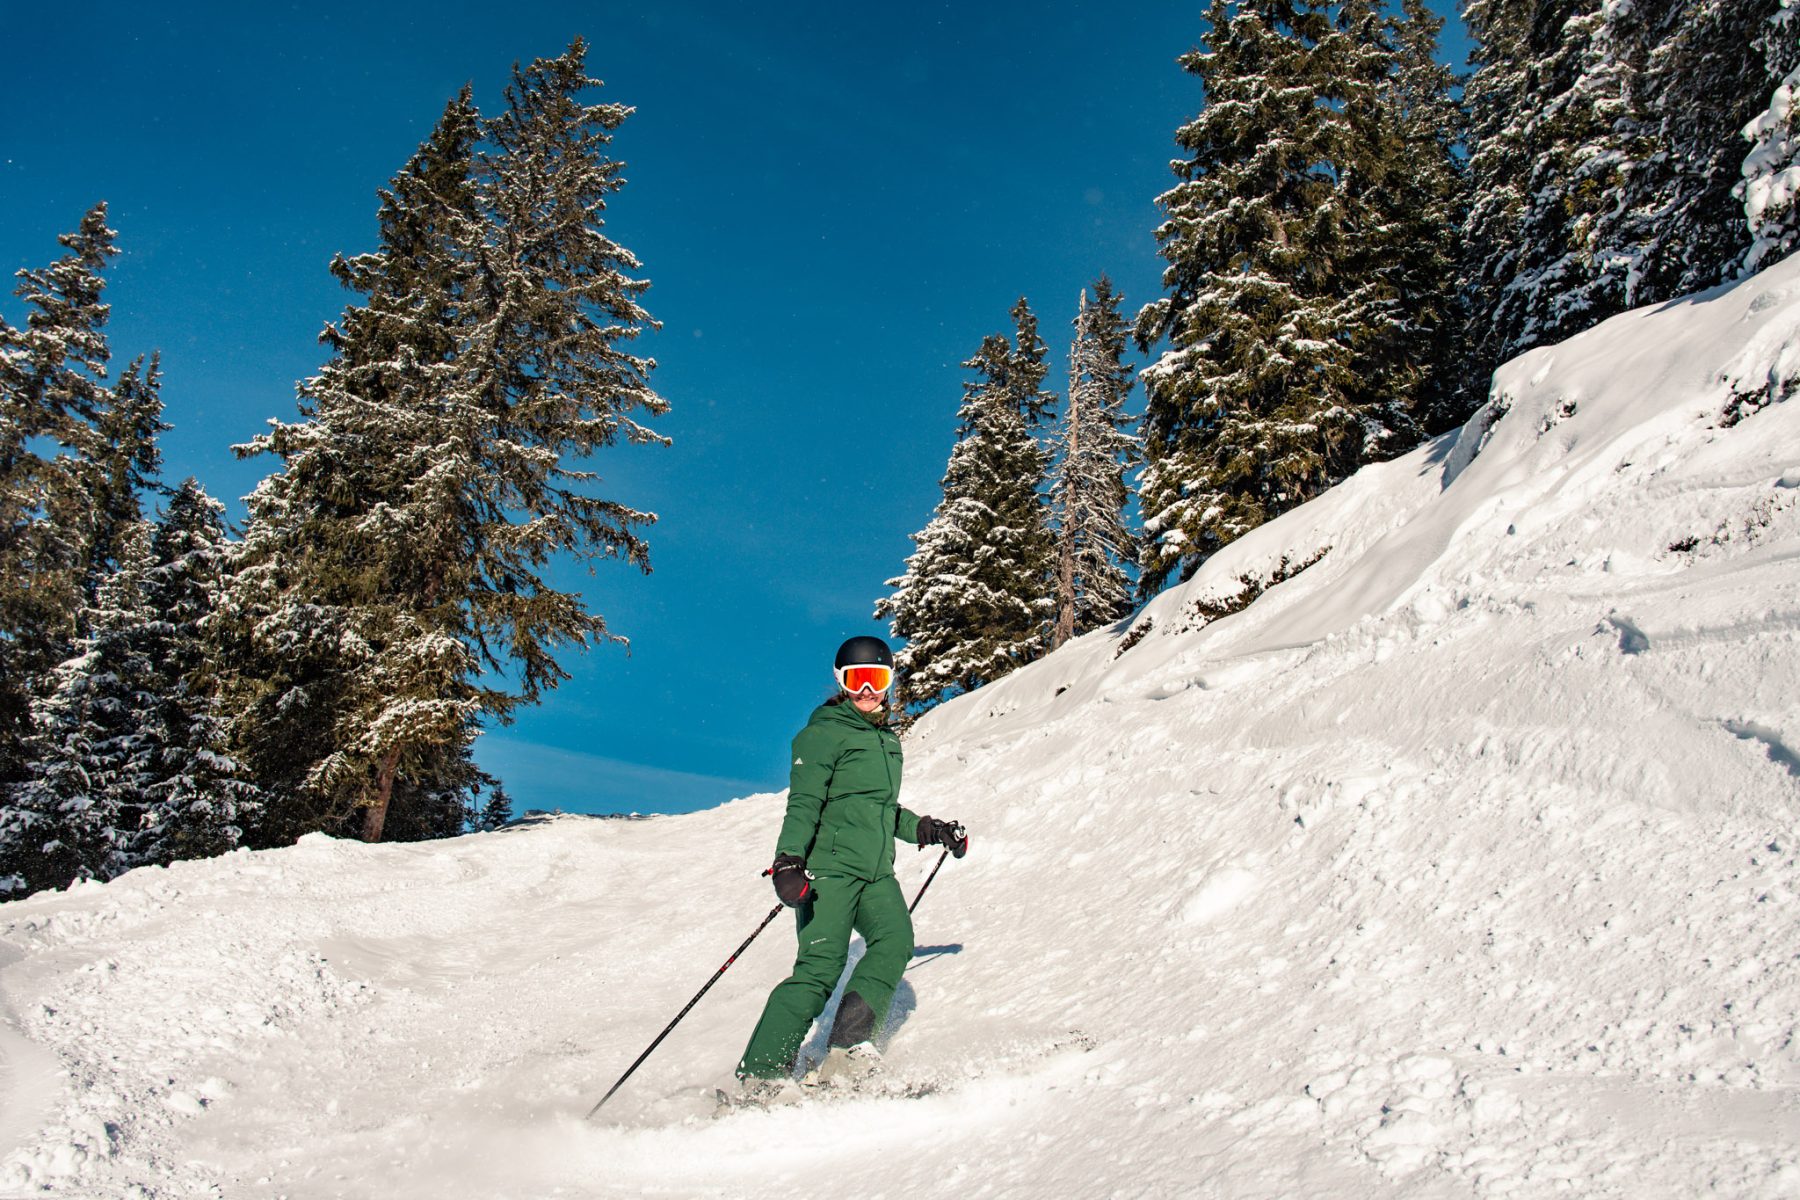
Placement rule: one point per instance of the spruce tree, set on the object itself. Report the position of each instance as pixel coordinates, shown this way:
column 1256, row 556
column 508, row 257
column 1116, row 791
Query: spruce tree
column 200, row 799
column 1403, row 192
column 123, row 466
column 1247, row 412
column 1497, row 98
column 1771, row 169
column 1566, row 139
column 389, row 595
column 189, row 554
column 549, row 370
column 129, row 763
column 1025, row 378
column 1094, row 452
column 1605, row 145
column 53, row 388
column 76, row 814
column 1676, row 223
column 1309, row 304
column 335, row 545
column 975, row 601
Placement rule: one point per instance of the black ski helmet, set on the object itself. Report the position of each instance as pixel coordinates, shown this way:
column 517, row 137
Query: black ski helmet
column 863, row 652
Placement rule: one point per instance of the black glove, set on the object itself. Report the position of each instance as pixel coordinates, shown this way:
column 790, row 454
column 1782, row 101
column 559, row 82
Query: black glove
column 933, row 832
column 793, row 885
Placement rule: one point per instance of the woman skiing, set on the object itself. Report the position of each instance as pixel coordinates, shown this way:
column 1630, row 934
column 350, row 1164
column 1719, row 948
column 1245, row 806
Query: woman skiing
column 834, row 865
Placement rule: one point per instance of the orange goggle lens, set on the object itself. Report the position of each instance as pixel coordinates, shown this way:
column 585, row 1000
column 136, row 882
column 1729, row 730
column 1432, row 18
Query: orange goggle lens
column 870, row 678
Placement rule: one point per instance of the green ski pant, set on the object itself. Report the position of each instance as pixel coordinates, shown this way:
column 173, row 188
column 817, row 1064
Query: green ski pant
column 876, row 910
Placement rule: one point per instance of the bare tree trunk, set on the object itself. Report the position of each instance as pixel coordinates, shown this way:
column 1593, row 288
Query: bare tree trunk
column 1065, row 557
column 375, row 816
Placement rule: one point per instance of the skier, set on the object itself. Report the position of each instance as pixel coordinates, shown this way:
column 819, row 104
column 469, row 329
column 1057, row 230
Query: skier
column 834, row 865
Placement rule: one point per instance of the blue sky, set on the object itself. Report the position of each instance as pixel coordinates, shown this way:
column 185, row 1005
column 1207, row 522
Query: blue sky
column 833, row 203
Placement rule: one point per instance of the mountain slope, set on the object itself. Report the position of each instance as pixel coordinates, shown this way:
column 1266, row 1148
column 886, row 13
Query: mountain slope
column 1463, row 861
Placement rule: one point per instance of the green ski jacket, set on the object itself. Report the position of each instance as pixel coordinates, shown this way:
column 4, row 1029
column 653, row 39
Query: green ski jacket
column 843, row 809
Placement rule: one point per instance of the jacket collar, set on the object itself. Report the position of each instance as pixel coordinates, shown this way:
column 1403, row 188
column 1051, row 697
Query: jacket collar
column 850, row 714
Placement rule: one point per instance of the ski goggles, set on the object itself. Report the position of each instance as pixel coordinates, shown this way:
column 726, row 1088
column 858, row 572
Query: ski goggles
column 871, row 677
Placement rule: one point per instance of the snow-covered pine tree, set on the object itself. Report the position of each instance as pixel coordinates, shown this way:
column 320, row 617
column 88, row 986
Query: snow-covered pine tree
column 1094, row 451
column 189, row 553
column 351, row 549
column 975, row 601
column 392, row 573
column 548, row 375
column 1604, row 149
column 53, row 374
column 1555, row 134
column 1771, row 170
column 1495, row 98
column 199, row 796
column 549, row 368
column 88, row 787
column 1674, row 222
column 1402, row 187
column 1037, row 404
column 124, row 464
column 1248, row 412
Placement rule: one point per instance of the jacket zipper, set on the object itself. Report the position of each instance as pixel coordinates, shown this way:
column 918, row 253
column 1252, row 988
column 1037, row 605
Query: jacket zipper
column 887, row 764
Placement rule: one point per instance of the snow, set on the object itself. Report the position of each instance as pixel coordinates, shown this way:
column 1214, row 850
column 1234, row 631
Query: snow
column 1463, row 863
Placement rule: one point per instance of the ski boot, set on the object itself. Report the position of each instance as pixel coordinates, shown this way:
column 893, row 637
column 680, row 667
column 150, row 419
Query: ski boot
column 758, row 1094
column 846, row 1067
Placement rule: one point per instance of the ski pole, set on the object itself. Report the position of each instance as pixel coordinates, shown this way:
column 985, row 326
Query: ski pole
column 927, row 883
column 684, row 1012
column 934, row 870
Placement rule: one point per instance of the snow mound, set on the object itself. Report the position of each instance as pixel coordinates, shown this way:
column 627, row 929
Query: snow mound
column 1438, row 838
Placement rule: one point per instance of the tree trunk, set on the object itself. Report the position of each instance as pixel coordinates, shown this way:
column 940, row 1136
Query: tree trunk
column 375, row 816
column 1065, row 558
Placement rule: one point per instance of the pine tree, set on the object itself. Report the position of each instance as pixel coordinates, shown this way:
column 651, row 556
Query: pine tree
column 1675, row 223
column 75, row 816
column 390, row 585
column 1556, row 133
column 129, row 759
column 352, row 543
column 1401, row 181
column 1497, row 99
column 52, row 389
column 549, row 369
column 1605, row 144
column 1771, row 170
column 189, row 555
column 975, row 601
column 1310, row 289
column 199, row 797
column 1247, row 412
column 1025, row 378
column 124, row 465
column 1094, row 452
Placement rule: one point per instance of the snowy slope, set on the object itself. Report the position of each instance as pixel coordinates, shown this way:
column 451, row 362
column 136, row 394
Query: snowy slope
column 1464, row 862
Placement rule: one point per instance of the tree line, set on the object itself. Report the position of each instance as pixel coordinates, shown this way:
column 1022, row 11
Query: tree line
column 167, row 690
column 1357, row 237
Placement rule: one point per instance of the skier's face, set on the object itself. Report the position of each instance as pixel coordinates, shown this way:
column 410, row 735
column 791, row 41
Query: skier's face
column 865, row 683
